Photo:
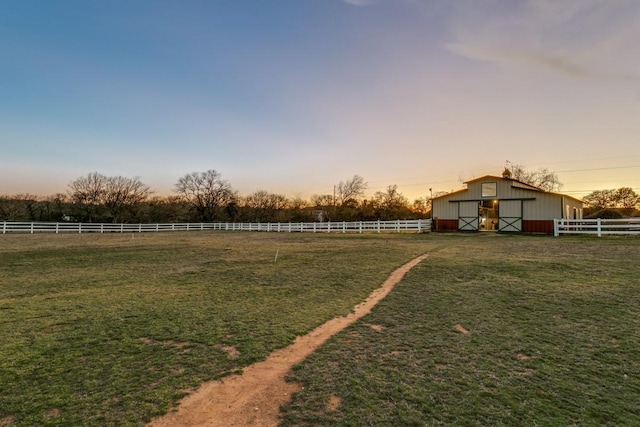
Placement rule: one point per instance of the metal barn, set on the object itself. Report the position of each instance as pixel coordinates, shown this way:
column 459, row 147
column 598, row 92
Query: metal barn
column 493, row 203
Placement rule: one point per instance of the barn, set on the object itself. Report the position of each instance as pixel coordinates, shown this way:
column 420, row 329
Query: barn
column 493, row 203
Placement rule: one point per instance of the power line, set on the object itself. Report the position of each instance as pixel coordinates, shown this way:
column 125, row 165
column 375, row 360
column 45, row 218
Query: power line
column 598, row 169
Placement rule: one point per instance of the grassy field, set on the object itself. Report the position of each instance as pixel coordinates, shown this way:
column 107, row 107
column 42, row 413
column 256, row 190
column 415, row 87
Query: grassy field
column 112, row 329
column 489, row 330
column 500, row 331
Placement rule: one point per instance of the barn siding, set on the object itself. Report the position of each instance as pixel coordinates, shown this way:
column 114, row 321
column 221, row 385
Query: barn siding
column 445, row 224
column 537, row 226
column 444, row 209
column 539, row 208
column 546, row 206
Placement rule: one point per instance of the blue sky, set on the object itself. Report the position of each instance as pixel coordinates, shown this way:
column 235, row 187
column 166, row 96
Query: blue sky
column 294, row 96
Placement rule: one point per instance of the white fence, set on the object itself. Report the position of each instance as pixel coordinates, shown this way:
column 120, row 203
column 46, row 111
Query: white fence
column 416, row 225
column 599, row 227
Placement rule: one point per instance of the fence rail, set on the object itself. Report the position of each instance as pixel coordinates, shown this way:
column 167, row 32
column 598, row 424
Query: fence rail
column 599, row 226
column 417, row 225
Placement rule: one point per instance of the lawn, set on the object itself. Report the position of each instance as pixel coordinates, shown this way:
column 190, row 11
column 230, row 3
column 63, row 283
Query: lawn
column 114, row 329
column 489, row 330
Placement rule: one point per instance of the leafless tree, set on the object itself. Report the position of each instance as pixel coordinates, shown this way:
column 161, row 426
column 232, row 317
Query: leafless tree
column 350, row 190
column 87, row 193
column 110, row 195
column 11, row 209
column 123, row 193
column 322, row 200
column 542, row 178
column 265, row 205
column 206, row 192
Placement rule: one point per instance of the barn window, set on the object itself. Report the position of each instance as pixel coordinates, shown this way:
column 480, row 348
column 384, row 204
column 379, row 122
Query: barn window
column 489, row 189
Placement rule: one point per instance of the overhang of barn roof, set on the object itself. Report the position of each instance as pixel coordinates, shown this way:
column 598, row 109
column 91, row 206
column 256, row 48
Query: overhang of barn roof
column 462, row 190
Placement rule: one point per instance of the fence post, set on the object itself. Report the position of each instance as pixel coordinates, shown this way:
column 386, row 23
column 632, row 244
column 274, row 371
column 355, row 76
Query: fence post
column 57, row 225
column 360, row 227
column 599, row 228
column 555, row 228
column 378, row 226
column 32, row 228
column 4, row 227
column 79, row 228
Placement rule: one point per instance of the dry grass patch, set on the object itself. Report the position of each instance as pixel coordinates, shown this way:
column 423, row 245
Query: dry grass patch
column 334, row 403
column 377, row 328
column 464, row 331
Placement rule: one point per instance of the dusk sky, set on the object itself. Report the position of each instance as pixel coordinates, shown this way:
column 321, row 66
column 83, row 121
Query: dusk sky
column 293, row 96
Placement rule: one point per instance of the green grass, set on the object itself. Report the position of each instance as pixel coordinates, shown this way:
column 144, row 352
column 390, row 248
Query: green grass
column 554, row 339
column 113, row 329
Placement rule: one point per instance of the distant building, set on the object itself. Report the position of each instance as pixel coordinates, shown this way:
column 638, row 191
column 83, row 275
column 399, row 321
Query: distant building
column 493, row 203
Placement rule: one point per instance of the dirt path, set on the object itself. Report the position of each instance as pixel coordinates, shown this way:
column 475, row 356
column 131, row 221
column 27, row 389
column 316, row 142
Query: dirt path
column 254, row 398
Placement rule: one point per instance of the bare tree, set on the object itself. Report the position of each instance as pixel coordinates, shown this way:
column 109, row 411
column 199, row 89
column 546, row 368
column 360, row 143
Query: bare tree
column 206, row 192
column 322, row 200
column 87, row 193
column 123, row 193
column 350, row 190
column 97, row 195
column 542, row 178
column 298, row 209
column 11, row 209
column 265, row 205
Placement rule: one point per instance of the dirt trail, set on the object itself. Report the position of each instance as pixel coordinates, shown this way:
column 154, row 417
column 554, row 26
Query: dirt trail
column 254, row 398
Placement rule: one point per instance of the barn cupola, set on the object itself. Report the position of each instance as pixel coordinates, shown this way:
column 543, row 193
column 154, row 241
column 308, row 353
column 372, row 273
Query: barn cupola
column 506, row 174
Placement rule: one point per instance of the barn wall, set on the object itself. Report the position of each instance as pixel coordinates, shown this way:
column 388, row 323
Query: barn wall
column 445, row 224
column 546, row 206
column 572, row 208
column 537, row 226
column 443, row 209
column 537, row 214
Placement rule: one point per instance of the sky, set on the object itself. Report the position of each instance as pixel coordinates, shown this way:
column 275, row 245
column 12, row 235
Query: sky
column 294, row 96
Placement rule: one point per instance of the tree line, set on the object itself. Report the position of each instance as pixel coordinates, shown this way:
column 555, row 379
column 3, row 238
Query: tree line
column 624, row 198
column 205, row 197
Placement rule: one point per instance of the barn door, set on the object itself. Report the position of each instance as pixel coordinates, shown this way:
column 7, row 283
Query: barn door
column 468, row 216
column 510, row 215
